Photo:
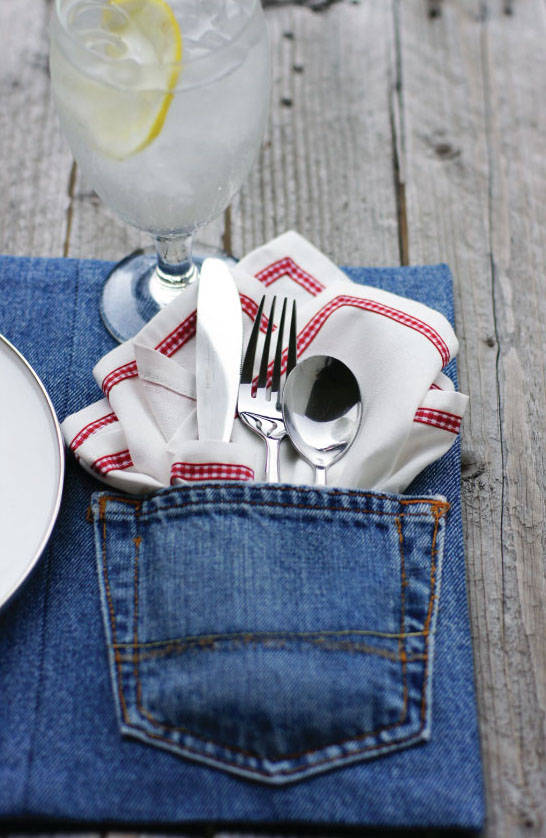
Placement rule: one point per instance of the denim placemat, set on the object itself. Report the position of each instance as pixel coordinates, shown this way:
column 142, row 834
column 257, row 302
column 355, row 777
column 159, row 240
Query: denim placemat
column 61, row 755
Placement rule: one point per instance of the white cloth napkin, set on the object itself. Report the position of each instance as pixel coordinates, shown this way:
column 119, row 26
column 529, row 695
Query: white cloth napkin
column 143, row 434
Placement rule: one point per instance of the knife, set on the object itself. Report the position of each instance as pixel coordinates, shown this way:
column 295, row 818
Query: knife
column 219, row 341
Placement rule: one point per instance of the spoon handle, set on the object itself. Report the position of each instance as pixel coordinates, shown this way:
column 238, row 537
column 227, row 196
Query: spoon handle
column 320, row 475
column 272, row 459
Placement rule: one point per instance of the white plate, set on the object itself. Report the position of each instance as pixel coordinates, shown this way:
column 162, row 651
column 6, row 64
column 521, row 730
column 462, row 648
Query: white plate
column 31, row 469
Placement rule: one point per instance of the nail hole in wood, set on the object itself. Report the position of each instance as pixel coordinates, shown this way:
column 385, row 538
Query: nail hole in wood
column 445, row 151
column 471, row 466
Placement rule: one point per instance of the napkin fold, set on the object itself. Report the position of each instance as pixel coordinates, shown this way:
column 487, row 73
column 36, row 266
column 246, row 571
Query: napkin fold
column 142, row 435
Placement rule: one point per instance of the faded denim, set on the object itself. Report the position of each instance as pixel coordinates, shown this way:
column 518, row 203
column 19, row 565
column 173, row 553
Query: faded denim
column 290, row 623
column 271, row 631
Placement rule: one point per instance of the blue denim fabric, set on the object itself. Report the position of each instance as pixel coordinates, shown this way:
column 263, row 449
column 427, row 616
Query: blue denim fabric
column 272, row 631
column 62, row 752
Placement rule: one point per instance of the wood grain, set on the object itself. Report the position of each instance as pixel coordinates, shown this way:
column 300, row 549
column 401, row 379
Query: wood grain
column 326, row 168
column 36, row 162
column 475, row 182
column 400, row 131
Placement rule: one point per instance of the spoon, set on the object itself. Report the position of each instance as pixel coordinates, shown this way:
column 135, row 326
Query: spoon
column 322, row 408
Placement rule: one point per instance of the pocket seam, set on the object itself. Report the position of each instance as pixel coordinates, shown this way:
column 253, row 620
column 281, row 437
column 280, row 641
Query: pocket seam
column 204, row 643
column 437, row 506
column 302, row 634
column 403, row 584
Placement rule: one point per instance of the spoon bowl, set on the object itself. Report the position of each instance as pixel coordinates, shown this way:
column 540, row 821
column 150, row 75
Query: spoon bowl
column 322, row 409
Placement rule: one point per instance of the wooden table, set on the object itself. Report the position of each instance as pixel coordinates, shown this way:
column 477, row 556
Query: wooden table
column 401, row 131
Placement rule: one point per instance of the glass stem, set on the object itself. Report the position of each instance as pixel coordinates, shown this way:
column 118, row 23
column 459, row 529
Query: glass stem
column 175, row 266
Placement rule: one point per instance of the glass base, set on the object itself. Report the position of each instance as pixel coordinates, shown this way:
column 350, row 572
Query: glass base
column 133, row 293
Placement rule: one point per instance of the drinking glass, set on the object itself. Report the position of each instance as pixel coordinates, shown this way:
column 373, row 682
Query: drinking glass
column 164, row 107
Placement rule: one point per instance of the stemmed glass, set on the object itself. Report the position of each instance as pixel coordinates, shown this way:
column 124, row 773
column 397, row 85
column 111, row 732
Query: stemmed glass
column 164, row 107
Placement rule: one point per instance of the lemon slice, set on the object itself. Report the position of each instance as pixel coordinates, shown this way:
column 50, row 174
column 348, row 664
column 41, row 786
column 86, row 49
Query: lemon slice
column 121, row 103
column 151, row 36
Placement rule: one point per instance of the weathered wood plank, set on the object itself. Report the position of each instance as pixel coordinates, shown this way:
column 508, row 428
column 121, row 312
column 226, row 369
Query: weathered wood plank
column 35, row 169
column 475, row 179
column 326, row 168
column 515, row 75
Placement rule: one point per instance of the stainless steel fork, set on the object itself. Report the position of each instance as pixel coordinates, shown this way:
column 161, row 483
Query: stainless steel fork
column 259, row 406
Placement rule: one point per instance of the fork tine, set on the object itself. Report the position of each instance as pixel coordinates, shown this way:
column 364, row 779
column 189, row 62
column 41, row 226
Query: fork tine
column 262, row 378
column 276, row 378
column 292, row 342
column 248, row 362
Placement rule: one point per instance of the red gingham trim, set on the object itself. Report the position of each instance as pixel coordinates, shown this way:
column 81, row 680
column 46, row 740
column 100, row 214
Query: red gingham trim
column 119, row 374
column 89, row 429
column 287, row 267
column 112, row 462
column 174, row 341
column 179, row 336
column 211, row 471
column 315, row 324
column 313, row 327
column 439, row 418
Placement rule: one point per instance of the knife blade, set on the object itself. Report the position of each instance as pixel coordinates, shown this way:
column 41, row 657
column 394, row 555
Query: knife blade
column 219, row 341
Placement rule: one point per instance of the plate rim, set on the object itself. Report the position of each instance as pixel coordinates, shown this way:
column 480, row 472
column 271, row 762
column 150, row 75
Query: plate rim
column 61, row 455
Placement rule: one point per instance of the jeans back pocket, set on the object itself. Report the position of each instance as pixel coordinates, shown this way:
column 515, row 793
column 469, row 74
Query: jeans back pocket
column 271, row 631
